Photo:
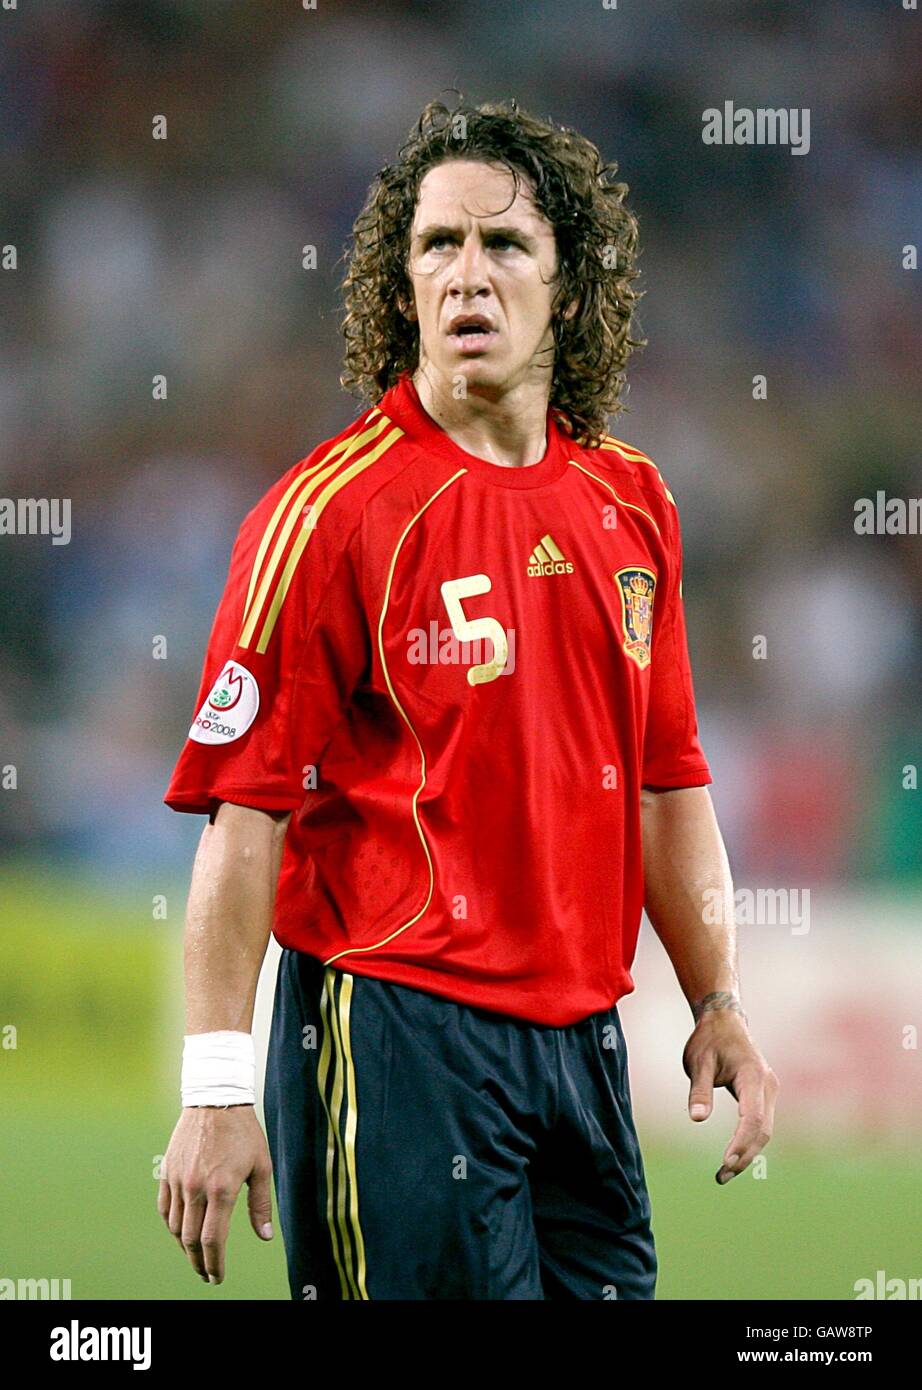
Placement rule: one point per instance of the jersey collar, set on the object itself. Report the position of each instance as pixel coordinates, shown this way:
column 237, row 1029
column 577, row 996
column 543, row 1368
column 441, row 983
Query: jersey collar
column 402, row 405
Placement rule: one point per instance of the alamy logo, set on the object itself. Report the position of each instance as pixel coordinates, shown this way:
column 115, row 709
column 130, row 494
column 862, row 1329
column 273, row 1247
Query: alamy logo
column 547, row 558
column 76, row 1343
column 888, row 516
column 766, row 125
column 885, row 1288
column 758, row 907
column 36, row 516
column 34, row 1289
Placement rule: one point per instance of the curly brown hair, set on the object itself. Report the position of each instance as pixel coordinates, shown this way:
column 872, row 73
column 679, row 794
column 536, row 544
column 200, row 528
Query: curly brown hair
column 596, row 235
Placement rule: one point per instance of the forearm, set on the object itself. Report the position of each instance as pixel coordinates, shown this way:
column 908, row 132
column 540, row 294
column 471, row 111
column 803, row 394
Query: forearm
column 686, row 870
column 229, row 916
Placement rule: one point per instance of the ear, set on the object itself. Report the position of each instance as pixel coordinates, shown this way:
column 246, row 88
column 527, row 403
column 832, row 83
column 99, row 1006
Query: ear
column 408, row 310
column 571, row 308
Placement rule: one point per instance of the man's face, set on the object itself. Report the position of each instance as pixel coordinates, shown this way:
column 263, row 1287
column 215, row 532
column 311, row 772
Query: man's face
column 481, row 260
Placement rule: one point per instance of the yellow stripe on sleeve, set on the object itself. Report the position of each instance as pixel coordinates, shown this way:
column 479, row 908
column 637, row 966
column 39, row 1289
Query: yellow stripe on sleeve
column 616, row 495
column 609, row 442
column 310, row 526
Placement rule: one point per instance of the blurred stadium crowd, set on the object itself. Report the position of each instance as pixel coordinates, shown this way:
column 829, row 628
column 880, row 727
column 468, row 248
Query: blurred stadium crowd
column 183, row 257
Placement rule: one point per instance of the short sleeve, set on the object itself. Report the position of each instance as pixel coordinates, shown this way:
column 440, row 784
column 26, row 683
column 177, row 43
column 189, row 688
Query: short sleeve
column 673, row 756
column 288, row 645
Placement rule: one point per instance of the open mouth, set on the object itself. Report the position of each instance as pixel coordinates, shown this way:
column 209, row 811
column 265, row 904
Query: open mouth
column 474, row 333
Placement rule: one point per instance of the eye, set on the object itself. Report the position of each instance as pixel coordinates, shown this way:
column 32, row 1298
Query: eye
column 434, row 243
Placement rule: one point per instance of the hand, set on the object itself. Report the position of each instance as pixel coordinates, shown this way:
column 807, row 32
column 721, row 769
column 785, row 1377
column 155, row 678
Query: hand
column 211, row 1154
column 720, row 1052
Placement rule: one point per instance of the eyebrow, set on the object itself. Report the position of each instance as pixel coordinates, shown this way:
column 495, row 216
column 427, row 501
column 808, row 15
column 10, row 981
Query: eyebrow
column 510, row 232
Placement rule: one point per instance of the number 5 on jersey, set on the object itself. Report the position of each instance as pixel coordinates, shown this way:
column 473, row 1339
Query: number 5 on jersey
column 475, row 629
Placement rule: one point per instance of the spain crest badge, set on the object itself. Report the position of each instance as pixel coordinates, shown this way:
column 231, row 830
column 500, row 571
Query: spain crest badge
column 637, row 586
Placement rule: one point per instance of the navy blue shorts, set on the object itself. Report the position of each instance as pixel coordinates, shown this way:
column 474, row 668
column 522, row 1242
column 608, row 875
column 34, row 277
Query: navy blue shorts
column 425, row 1149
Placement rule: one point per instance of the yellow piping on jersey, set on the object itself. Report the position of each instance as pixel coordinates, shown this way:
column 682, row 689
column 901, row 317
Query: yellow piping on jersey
column 615, row 494
column 361, row 950
column 308, row 482
column 609, row 442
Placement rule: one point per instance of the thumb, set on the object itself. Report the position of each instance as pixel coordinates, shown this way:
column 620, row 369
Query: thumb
column 701, row 1094
column 259, row 1201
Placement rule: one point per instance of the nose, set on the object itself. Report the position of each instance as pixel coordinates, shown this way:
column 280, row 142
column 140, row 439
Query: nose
column 469, row 270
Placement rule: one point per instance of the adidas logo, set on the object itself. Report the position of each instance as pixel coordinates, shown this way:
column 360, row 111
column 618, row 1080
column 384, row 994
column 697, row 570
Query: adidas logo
column 547, row 558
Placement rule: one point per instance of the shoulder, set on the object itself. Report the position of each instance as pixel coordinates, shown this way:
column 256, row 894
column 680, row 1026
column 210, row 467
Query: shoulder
column 326, row 491
column 299, row 535
column 634, row 475
column 615, row 456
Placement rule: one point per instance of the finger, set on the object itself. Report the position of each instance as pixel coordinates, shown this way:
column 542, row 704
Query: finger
column 754, row 1118
column 701, row 1092
column 743, row 1148
column 176, row 1213
column 259, row 1200
column 193, row 1217
column 163, row 1200
column 215, row 1230
column 754, row 1128
column 772, row 1087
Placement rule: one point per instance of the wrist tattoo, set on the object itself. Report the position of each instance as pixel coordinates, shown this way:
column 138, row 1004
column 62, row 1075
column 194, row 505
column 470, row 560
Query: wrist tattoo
column 714, row 1003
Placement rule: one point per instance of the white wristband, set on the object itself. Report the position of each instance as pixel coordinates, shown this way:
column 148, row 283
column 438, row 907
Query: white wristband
column 218, row 1069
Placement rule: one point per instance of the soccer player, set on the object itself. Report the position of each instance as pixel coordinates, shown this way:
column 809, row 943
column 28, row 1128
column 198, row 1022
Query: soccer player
column 446, row 740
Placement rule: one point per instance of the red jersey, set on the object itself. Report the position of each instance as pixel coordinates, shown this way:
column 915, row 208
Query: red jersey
column 458, row 677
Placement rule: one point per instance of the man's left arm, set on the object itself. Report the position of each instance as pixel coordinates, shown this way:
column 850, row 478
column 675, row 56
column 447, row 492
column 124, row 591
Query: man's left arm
column 685, row 868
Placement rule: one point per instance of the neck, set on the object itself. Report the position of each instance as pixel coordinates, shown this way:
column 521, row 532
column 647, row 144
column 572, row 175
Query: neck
column 508, row 429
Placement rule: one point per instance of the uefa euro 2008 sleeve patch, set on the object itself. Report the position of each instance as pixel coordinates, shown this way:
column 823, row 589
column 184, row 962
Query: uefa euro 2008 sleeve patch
column 230, row 708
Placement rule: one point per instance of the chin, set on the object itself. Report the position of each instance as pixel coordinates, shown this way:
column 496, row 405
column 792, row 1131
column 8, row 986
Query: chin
column 480, row 372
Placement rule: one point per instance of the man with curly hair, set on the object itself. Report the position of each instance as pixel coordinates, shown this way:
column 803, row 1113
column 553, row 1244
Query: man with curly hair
column 446, row 740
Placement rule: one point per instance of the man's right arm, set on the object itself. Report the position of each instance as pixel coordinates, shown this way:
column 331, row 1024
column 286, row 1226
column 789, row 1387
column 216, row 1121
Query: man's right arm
column 289, row 645
column 213, row 1151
